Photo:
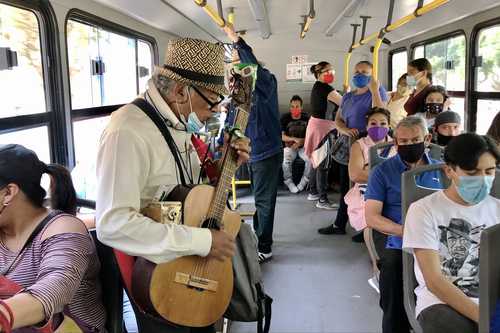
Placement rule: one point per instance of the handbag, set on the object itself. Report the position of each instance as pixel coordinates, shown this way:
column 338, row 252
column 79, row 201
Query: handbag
column 341, row 149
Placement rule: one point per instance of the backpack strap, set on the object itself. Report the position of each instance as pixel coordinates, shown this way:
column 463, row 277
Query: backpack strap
column 162, row 127
column 264, row 310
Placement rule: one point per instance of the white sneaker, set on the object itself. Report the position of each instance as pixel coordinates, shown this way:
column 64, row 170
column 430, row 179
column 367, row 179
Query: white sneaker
column 302, row 184
column 263, row 257
column 326, row 205
column 313, row 197
column 373, row 282
column 291, row 186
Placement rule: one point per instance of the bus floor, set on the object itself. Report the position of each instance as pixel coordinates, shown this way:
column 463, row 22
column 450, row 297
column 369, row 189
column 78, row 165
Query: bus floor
column 318, row 282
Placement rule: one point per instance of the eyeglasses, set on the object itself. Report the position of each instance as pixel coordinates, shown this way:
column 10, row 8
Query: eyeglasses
column 206, row 99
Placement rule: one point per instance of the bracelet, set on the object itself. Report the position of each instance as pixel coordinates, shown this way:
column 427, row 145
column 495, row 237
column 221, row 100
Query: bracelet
column 9, row 310
column 6, row 328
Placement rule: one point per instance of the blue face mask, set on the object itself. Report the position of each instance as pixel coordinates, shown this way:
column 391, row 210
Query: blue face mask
column 411, row 81
column 474, row 189
column 194, row 124
column 360, row 80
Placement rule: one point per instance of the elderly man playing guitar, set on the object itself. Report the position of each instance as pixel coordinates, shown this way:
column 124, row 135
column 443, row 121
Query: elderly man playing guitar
column 136, row 166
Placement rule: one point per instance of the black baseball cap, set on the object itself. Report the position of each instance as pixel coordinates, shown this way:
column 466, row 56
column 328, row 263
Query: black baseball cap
column 21, row 166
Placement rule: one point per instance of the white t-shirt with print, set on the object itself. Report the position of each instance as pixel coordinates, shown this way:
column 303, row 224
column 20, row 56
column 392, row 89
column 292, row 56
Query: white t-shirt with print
column 438, row 223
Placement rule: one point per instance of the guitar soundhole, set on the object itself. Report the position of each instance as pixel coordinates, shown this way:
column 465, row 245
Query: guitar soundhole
column 211, row 223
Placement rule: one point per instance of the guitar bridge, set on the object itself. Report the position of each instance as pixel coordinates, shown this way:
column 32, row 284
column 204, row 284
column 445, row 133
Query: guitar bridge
column 196, row 282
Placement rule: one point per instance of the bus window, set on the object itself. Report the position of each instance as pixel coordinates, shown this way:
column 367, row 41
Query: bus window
column 19, row 31
column 36, row 139
column 487, row 78
column 145, row 63
column 419, row 52
column 399, row 61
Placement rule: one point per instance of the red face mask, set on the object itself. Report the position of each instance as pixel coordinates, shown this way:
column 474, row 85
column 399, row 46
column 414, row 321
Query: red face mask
column 328, row 78
column 295, row 112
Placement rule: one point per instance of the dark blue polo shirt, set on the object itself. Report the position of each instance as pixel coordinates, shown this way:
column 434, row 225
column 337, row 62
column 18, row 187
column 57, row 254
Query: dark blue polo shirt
column 384, row 184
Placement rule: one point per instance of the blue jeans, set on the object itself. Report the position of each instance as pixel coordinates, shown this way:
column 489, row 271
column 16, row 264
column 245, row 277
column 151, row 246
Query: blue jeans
column 265, row 176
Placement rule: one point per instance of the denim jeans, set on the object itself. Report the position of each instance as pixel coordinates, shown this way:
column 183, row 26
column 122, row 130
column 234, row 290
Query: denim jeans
column 318, row 180
column 443, row 318
column 265, row 176
column 289, row 155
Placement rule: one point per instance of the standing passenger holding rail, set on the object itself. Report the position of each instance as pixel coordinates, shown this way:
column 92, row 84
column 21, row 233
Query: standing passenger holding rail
column 443, row 231
column 383, row 213
column 350, row 121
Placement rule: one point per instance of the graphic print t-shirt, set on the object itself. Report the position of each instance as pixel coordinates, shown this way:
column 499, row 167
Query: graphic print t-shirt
column 294, row 127
column 438, row 223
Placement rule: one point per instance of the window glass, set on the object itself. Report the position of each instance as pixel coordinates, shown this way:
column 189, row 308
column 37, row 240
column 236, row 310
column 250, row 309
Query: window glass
column 448, row 62
column 82, row 49
column 86, row 138
column 119, row 79
column 458, row 105
column 399, row 67
column 19, row 31
column 488, row 74
column 486, row 112
column 145, row 63
column 419, row 52
column 36, row 139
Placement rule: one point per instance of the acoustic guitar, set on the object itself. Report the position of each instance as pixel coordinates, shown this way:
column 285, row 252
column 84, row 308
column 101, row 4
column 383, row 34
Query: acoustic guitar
column 195, row 291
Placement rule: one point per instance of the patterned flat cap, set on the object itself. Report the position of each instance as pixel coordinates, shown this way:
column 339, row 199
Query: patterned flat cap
column 197, row 62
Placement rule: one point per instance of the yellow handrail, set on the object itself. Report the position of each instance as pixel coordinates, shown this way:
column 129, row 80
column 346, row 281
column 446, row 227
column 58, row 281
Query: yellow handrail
column 230, row 17
column 378, row 43
column 347, row 59
column 211, row 12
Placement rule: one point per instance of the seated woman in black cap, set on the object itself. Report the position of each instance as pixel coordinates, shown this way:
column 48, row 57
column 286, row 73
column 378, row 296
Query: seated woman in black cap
column 446, row 126
column 48, row 263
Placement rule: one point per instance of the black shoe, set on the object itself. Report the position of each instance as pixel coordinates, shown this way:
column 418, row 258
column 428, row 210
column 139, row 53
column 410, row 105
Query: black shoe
column 331, row 230
column 358, row 238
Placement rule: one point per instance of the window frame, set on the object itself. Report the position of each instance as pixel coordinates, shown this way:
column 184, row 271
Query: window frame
column 83, row 17
column 54, row 117
column 475, row 95
column 391, row 55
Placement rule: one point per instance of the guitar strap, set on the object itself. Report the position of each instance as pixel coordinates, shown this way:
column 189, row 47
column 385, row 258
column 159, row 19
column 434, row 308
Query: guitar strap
column 162, row 127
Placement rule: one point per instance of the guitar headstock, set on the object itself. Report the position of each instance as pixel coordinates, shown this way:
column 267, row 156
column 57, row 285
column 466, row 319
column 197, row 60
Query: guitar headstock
column 242, row 82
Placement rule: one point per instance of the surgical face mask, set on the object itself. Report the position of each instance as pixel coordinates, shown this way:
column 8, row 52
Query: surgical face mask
column 474, row 189
column 377, row 133
column 360, row 80
column 403, row 90
column 193, row 123
column 433, row 108
column 411, row 80
column 411, row 153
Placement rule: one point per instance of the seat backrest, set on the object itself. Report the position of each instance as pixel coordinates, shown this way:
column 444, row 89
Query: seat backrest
column 435, row 152
column 411, row 192
column 489, row 269
column 112, row 288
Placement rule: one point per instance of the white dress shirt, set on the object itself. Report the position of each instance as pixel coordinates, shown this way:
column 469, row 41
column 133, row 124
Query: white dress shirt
column 133, row 162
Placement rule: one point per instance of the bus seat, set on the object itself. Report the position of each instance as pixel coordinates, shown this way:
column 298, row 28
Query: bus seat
column 112, row 289
column 489, row 269
column 410, row 193
column 435, row 152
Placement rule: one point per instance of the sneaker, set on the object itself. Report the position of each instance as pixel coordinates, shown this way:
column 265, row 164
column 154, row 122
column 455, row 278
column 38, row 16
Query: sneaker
column 326, row 205
column 373, row 282
column 313, row 197
column 291, row 186
column 302, row 184
column 331, row 230
column 263, row 257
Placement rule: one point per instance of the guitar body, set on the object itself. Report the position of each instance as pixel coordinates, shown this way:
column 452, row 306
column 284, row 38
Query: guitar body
column 190, row 291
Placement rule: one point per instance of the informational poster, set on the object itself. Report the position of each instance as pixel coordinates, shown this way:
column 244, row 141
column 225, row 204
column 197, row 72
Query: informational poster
column 299, row 59
column 293, row 72
column 307, row 76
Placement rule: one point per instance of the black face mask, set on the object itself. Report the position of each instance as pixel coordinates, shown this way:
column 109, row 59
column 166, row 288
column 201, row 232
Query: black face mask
column 433, row 108
column 443, row 140
column 411, row 153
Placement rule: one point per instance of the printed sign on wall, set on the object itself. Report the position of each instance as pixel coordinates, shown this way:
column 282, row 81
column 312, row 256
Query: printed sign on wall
column 293, row 72
column 299, row 59
column 307, row 76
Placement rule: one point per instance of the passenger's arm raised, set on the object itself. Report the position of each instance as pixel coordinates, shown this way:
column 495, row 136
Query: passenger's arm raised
column 374, row 87
column 430, row 265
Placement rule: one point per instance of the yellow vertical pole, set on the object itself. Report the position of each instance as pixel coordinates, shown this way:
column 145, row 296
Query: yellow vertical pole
column 230, row 16
column 376, row 48
column 346, row 70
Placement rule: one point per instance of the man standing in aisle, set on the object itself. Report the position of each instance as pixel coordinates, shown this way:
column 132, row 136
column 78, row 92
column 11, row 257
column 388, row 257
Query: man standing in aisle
column 264, row 131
